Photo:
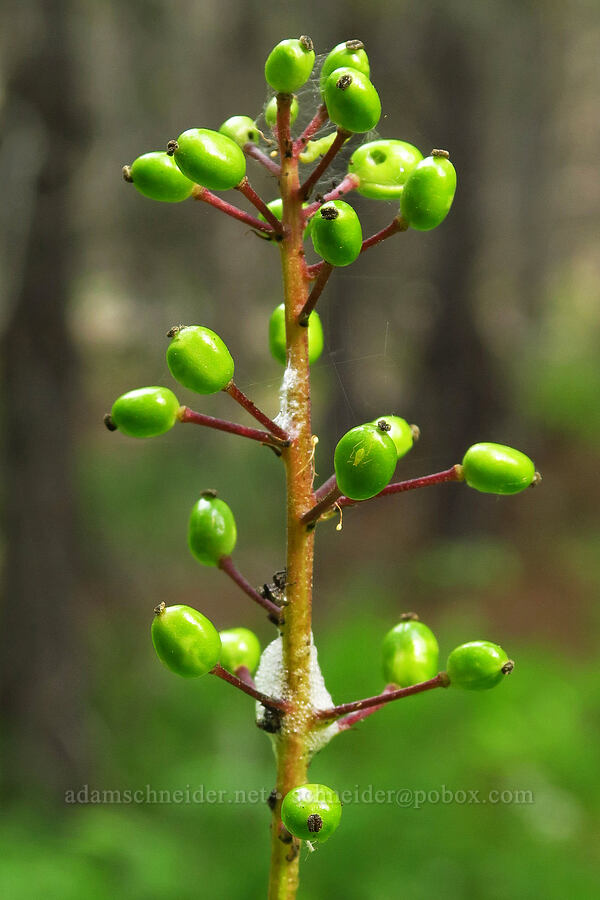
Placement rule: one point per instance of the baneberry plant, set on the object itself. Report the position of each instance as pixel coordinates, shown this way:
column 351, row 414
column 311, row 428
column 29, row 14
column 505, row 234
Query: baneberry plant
column 292, row 702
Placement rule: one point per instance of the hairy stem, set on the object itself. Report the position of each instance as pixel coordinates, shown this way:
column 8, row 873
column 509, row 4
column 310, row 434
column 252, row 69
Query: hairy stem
column 292, row 759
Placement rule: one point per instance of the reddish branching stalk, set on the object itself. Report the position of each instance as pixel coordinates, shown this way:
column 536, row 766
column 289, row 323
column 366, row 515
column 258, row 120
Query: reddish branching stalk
column 269, row 164
column 226, row 565
column 316, row 123
column 317, row 288
column 329, row 495
column 244, row 674
column 348, row 183
column 330, row 499
column 352, row 719
column 200, row 193
column 245, row 188
column 455, row 473
column 233, row 390
column 336, row 712
column 396, row 225
column 306, row 188
column 264, row 437
column 324, row 489
column 269, row 702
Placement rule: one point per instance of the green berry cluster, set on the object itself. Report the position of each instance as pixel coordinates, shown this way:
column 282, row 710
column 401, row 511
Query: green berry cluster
column 422, row 189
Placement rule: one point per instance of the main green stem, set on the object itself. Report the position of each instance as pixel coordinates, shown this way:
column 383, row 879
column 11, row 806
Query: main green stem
column 292, row 758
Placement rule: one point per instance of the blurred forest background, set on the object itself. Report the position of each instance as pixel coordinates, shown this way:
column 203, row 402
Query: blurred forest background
column 486, row 328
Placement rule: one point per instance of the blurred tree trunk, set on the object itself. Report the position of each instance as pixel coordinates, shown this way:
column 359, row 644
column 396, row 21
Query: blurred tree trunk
column 462, row 396
column 40, row 689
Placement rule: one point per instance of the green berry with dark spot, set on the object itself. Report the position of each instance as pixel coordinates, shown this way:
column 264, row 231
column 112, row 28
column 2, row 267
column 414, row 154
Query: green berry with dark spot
column 350, row 55
column 478, row 665
column 289, row 64
column 209, row 158
column 336, row 233
column 383, row 168
column 241, row 129
column 185, row 641
column 212, row 531
column 239, row 647
column 410, row 653
column 271, row 111
column 428, row 192
column 364, row 461
column 144, row 412
column 352, row 101
column 496, row 469
column 311, row 812
column 199, row 360
column 277, row 344
column 156, row 176
column 402, row 434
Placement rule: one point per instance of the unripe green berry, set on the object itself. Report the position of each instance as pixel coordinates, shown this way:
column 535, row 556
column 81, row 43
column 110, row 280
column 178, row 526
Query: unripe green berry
column 336, row 233
column 315, row 149
column 364, row 461
column 185, row 641
column 289, row 64
column 311, row 812
column 428, row 192
column 212, row 531
column 496, row 469
column 156, row 176
column 352, row 101
column 271, row 111
column 349, row 55
column 277, row 335
column 239, row 647
column 410, row 653
column 145, row 412
column 478, row 665
column 209, row 158
column 402, row 434
column 241, row 129
column 199, row 359
column 383, row 168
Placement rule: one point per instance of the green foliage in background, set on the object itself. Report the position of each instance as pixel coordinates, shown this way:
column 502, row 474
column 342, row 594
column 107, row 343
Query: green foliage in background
column 539, row 734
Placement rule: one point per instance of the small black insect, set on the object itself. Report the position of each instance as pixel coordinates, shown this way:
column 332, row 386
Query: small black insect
column 275, row 592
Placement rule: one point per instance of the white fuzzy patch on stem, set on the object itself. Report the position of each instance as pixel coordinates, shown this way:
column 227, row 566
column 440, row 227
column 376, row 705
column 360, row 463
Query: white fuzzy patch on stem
column 270, row 679
column 289, row 408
